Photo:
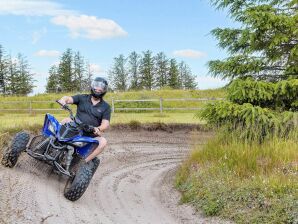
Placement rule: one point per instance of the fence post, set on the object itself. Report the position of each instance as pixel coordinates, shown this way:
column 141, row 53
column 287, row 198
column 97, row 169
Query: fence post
column 160, row 105
column 113, row 105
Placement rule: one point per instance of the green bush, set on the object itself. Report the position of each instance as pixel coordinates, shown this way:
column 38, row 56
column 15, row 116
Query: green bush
column 250, row 122
column 278, row 96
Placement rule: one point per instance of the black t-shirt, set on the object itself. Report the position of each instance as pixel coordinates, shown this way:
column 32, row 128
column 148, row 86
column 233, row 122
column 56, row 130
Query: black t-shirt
column 91, row 114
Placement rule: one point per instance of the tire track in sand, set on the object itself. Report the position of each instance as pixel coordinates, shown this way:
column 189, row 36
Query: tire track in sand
column 132, row 185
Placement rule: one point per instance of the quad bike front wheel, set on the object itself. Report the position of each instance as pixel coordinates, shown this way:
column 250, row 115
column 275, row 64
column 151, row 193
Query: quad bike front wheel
column 76, row 186
column 17, row 146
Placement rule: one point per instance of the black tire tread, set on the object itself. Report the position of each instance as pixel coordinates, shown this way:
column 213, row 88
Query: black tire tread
column 81, row 180
column 13, row 152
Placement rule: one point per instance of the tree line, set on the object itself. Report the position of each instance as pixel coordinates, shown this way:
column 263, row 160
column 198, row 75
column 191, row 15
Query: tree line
column 148, row 71
column 73, row 73
column 15, row 75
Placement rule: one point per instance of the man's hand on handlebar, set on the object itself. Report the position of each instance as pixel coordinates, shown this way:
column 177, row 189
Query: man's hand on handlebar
column 97, row 131
column 87, row 128
column 63, row 104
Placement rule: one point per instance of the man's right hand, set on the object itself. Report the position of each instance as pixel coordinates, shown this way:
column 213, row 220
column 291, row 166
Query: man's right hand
column 61, row 102
column 66, row 100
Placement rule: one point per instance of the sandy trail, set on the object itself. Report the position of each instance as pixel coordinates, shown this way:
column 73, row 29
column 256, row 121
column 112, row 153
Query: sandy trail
column 134, row 184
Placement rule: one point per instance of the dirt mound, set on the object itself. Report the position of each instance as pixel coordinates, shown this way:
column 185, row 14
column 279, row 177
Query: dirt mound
column 158, row 126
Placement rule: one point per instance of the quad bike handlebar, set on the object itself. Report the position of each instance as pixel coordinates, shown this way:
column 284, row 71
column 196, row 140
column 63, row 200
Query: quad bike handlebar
column 85, row 127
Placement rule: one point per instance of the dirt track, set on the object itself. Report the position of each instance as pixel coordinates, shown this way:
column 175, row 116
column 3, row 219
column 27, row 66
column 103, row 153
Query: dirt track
column 132, row 185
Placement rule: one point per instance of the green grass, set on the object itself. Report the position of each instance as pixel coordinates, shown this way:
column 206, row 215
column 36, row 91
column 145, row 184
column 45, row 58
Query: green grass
column 144, row 94
column 18, row 120
column 247, row 183
column 14, row 122
column 130, row 95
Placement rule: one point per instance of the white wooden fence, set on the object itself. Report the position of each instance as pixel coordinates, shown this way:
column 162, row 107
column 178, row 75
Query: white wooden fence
column 15, row 105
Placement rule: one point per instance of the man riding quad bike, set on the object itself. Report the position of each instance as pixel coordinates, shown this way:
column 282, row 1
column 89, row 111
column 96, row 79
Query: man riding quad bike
column 70, row 147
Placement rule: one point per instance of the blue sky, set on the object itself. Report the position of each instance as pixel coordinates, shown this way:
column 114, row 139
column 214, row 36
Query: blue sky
column 101, row 30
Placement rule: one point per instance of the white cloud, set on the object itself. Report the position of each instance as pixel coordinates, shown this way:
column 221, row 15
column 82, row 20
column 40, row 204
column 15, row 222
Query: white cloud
column 189, row 53
column 33, row 8
column 47, row 53
column 79, row 25
column 95, row 68
column 38, row 34
column 89, row 26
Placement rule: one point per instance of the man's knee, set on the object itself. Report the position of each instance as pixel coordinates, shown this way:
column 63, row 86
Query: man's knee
column 102, row 141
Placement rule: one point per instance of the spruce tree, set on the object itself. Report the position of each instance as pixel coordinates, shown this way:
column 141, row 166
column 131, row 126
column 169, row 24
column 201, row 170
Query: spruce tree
column 186, row 77
column 262, row 97
column 174, row 75
column 147, row 70
column 133, row 70
column 78, row 71
column 24, row 80
column 53, row 80
column 3, row 71
column 12, row 76
column 265, row 46
column 66, row 71
column 88, row 79
column 118, row 75
column 161, row 70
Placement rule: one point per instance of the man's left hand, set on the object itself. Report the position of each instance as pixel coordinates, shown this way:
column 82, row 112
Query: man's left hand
column 97, row 131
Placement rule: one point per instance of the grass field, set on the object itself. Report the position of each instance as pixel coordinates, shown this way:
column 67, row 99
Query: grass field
column 17, row 120
column 34, row 102
column 144, row 94
column 14, row 122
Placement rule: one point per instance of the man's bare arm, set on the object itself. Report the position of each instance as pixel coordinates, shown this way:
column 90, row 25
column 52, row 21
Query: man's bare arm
column 66, row 100
column 104, row 126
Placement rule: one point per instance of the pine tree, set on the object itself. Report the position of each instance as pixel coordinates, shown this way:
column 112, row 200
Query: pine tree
column 265, row 46
column 133, row 69
column 147, row 70
column 78, row 71
column 161, row 70
column 174, row 75
column 53, row 80
column 190, row 81
column 263, row 54
column 3, row 71
column 88, row 79
column 186, row 78
column 182, row 69
column 12, row 76
column 24, row 80
column 66, row 71
column 118, row 75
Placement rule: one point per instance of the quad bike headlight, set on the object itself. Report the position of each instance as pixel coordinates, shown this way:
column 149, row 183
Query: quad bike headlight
column 51, row 128
column 80, row 144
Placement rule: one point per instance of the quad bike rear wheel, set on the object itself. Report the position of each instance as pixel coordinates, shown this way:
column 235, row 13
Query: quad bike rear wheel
column 76, row 186
column 17, row 146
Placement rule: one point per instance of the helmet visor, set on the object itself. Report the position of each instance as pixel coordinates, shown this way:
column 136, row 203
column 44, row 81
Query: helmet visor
column 99, row 85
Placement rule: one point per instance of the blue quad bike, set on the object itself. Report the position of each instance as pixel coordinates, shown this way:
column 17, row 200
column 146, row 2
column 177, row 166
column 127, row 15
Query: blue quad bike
column 63, row 147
